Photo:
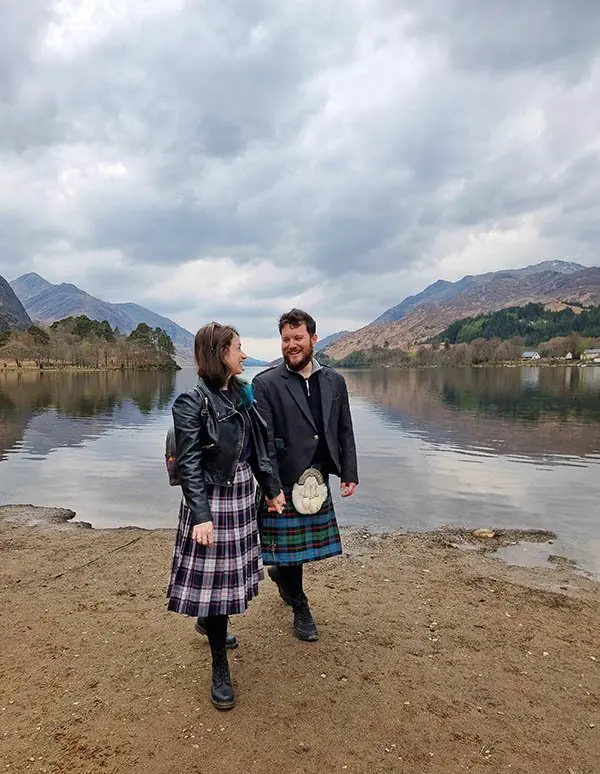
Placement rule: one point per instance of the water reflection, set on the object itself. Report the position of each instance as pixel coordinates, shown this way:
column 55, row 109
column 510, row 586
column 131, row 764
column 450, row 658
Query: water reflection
column 501, row 447
column 66, row 408
column 523, row 412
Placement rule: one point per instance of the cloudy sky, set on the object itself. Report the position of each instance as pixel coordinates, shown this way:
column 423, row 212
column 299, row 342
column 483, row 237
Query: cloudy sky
column 227, row 160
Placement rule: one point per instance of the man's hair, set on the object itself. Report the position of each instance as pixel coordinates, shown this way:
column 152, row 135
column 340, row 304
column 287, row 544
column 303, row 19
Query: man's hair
column 210, row 346
column 295, row 318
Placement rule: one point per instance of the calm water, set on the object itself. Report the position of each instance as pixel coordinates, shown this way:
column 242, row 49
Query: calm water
column 512, row 447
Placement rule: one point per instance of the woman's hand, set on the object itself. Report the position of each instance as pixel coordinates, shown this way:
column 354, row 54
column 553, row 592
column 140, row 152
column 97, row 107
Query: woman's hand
column 277, row 503
column 204, row 533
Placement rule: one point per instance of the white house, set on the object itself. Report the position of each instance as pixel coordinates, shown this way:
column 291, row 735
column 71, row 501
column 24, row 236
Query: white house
column 530, row 356
column 591, row 355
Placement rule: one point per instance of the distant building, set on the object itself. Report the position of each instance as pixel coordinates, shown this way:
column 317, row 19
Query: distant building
column 591, row 355
column 569, row 356
column 530, row 356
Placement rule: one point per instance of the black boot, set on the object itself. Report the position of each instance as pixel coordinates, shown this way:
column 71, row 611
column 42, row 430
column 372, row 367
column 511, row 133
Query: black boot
column 221, row 690
column 275, row 575
column 231, row 642
column 305, row 627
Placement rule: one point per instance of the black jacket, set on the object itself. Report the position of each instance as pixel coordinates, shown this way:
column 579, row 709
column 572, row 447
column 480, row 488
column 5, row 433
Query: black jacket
column 209, row 436
column 293, row 434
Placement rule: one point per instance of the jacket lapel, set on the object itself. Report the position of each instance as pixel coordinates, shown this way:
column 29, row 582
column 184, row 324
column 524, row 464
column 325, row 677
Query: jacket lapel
column 326, row 396
column 298, row 393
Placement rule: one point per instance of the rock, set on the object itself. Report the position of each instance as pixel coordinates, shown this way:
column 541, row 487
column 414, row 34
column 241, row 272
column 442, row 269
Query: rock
column 483, row 533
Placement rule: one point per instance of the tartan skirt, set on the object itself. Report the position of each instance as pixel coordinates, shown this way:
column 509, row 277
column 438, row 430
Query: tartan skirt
column 294, row 538
column 222, row 578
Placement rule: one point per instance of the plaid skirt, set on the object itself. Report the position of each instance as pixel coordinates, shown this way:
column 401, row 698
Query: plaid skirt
column 222, row 578
column 294, row 538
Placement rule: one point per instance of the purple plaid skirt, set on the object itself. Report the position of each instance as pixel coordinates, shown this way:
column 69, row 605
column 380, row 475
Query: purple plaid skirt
column 222, row 578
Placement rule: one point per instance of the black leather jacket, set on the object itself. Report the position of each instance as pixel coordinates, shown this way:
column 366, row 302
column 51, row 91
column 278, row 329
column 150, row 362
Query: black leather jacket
column 209, row 434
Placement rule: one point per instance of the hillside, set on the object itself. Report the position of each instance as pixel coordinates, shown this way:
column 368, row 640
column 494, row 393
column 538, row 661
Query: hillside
column 487, row 293
column 29, row 285
column 328, row 340
column 534, row 323
column 12, row 312
column 442, row 291
column 82, row 342
column 46, row 303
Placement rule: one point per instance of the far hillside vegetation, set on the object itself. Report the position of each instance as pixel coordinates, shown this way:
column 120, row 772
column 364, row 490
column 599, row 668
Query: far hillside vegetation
column 497, row 337
column 78, row 342
column 533, row 323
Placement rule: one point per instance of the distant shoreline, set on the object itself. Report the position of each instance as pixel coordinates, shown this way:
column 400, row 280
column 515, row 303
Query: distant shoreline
column 508, row 364
column 86, row 369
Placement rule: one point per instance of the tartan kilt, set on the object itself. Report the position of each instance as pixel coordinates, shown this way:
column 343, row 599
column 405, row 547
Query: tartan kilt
column 222, row 578
column 294, row 538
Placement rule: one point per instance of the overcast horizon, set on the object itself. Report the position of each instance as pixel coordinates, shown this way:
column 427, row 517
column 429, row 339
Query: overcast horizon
column 229, row 161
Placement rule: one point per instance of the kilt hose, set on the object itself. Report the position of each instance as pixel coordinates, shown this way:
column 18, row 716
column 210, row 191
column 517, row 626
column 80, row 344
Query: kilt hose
column 294, row 538
column 222, row 578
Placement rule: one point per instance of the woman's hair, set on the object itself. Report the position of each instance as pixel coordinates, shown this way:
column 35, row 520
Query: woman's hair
column 210, row 346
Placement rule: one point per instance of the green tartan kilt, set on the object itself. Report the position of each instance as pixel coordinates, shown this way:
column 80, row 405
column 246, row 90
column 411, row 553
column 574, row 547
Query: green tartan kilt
column 294, row 538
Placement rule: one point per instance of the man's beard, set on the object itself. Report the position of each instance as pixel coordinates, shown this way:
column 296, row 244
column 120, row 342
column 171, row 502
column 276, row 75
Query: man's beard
column 301, row 365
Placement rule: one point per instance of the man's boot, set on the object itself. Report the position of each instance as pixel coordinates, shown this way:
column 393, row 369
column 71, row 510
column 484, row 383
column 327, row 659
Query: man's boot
column 304, row 626
column 275, row 575
column 221, row 690
column 231, row 642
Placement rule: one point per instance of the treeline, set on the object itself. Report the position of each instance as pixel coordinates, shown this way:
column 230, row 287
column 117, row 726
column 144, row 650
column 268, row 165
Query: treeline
column 532, row 323
column 478, row 352
column 83, row 343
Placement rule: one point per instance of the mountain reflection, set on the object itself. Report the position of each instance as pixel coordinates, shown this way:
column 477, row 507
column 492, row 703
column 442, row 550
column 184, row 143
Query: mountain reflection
column 532, row 412
column 56, row 409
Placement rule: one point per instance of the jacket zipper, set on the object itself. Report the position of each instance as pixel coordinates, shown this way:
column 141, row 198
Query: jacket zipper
column 237, row 462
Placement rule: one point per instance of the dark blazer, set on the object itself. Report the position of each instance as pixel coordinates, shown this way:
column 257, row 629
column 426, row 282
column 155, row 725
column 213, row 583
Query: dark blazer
column 209, row 434
column 292, row 433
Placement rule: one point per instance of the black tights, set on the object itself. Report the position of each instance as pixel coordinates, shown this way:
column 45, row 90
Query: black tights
column 216, row 629
column 291, row 578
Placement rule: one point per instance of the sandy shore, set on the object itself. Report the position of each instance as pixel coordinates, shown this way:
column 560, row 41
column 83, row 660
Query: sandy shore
column 431, row 659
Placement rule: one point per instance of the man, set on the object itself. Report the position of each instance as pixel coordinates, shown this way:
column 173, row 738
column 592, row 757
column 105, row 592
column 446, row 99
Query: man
column 310, row 432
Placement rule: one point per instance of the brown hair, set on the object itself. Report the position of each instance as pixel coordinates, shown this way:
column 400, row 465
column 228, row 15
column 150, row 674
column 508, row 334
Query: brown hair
column 295, row 318
column 210, row 345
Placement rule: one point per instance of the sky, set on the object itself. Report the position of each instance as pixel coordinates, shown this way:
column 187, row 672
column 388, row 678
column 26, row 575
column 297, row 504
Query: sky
column 228, row 161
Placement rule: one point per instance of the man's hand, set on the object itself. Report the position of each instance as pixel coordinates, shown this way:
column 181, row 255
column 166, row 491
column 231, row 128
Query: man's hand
column 277, row 503
column 203, row 533
column 348, row 489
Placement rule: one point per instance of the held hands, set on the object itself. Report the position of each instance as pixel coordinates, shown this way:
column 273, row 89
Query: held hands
column 277, row 503
column 203, row 533
column 348, row 489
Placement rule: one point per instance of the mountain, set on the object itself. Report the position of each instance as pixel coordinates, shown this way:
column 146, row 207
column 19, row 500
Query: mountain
column 29, row 285
column 47, row 303
column 333, row 337
column 12, row 312
column 441, row 290
column 471, row 296
column 66, row 300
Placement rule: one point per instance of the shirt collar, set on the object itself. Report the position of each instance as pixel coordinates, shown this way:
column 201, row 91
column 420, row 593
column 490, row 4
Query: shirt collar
column 316, row 367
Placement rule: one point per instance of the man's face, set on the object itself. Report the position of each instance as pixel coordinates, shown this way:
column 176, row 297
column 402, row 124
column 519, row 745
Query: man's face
column 297, row 346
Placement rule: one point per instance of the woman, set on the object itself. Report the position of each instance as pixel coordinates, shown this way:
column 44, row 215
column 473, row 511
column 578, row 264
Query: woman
column 221, row 442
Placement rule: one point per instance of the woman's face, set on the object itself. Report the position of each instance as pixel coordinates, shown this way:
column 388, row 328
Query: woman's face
column 233, row 357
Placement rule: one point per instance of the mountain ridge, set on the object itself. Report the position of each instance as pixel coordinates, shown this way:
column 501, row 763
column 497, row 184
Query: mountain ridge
column 46, row 303
column 13, row 314
column 477, row 294
column 442, row 290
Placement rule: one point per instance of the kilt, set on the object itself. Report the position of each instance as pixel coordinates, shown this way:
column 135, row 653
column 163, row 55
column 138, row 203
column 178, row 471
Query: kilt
column 294, row 538
column 222, row 578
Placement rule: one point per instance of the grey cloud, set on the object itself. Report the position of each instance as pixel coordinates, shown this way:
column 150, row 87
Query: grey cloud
column 243, row 134
column 511, row 35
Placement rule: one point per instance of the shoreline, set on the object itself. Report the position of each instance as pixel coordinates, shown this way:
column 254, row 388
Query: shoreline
column 431, row 659
column 86, row 369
